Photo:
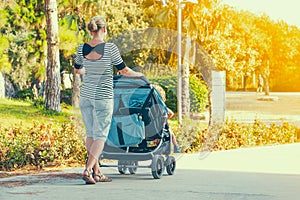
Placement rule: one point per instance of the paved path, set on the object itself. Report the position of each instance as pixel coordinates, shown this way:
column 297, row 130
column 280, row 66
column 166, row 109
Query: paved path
column 245, row 107
column 262, row 173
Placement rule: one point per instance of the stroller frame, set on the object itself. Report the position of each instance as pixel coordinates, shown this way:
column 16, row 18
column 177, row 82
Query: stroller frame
column 135, row 97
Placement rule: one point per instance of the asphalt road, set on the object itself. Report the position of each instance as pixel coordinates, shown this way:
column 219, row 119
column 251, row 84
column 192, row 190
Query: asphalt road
column 260, row 173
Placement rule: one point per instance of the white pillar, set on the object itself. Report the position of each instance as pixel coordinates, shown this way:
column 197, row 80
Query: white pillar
column 217, row 97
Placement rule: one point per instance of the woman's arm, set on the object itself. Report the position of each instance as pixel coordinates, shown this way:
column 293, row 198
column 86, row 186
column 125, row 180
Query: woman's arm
column 79, row 71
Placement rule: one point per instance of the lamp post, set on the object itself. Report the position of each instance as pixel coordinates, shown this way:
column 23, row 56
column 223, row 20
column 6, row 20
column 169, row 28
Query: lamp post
column 179, row 64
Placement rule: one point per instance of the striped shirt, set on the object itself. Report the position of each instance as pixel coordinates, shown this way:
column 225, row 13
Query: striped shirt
column 98, row 78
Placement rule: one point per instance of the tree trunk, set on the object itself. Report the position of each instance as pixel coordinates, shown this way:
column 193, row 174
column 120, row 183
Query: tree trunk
column 76, row 90
column 52, row 86
column 266, row 76
column 245, row 81
column 185, row 80
column 266, row 86
column 2, row 86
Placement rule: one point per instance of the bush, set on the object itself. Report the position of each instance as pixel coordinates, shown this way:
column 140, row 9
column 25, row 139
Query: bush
column 40, row 144
column 198, row 92
column 236, row 135
column 43, row 143
column 25, row 94
column 39, row 102
column 66, row 96
column 188, row 135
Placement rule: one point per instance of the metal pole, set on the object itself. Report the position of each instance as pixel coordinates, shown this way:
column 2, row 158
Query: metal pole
column 179, row 70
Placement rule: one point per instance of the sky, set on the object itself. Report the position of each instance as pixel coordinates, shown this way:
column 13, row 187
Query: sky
column 286, row 10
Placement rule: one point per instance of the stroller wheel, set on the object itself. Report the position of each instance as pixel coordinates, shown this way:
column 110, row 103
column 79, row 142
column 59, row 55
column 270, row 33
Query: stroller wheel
column 122, row 167
column 132, row 170
column 157, row 166
column 170, row 165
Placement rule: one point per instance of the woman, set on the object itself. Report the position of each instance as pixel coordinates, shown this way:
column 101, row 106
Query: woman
column 96, row 59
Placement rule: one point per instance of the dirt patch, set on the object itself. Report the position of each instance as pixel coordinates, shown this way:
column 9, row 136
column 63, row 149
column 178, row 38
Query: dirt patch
column 17, row 183
column 30, row 170
column 39, row 178
column 34, row 171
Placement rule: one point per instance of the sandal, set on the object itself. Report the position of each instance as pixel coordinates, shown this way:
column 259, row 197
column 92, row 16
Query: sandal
column 88, row 178
column 101, row 178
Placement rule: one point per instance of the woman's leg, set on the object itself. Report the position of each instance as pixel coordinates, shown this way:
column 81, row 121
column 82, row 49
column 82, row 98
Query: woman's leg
column 102, row 117
column 86, row 109
column 88, row 144
column 87, row 173
column 95, row 149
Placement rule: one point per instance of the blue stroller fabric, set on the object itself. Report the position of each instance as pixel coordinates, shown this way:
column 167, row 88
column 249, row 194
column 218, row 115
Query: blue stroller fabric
column 126, row 131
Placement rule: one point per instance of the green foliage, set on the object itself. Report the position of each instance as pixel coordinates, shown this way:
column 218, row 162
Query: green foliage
column 25, row 94
column 66, row 96
column 241, row 43
column 39, row 103
column 187, row 135
column 5, row 65
column 69, row 41
column 25, row 30
column 169, row 84
column 198, row 92
column 16, row 111
column 238, row 135
column 18, row 57
column 154, row 70
column 30, row 135
column 122, row 25
column 40, row 144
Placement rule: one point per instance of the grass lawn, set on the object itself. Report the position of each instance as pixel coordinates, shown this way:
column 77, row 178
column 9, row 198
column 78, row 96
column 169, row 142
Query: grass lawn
column 17, row 111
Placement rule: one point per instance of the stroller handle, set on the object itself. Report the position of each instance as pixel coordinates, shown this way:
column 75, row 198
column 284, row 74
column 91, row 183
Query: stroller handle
column 145, row 79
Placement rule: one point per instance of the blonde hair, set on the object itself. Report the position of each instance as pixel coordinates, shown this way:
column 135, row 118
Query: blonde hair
column 96, row 24
column 160, row 90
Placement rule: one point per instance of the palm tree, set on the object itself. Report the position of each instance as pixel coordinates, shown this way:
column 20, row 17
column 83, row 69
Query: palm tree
column 52, row 87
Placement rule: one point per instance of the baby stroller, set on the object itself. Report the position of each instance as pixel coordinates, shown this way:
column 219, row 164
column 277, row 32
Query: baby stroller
column 139, row 119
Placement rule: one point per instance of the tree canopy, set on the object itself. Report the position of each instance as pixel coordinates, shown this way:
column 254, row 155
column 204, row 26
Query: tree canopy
column 240, row 42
